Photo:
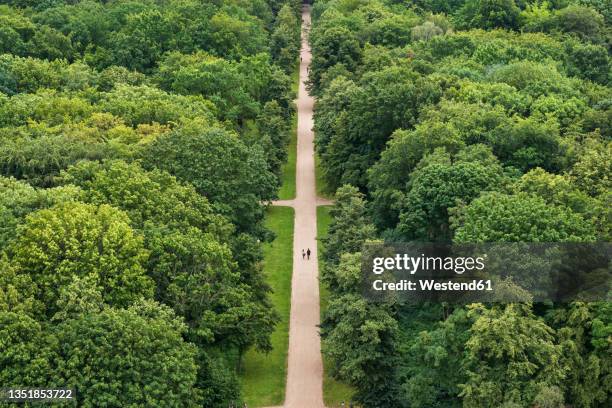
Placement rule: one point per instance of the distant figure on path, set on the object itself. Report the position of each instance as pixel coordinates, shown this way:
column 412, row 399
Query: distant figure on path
column 308, row 253
column 303, row 254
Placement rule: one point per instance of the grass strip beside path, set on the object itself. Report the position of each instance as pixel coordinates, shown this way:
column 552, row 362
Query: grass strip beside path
column 263, row 375
column 287, row 189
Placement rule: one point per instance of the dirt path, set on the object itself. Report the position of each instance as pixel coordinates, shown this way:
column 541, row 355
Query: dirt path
column 305, row 370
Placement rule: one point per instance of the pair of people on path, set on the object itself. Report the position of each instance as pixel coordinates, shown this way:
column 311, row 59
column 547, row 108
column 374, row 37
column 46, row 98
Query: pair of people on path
column 306, row 254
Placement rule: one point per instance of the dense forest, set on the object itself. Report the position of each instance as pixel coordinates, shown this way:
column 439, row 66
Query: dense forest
column 464, row 121
column 139, row 144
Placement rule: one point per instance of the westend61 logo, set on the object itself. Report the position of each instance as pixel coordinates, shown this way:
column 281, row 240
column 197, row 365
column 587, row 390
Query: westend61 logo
column 500, row 272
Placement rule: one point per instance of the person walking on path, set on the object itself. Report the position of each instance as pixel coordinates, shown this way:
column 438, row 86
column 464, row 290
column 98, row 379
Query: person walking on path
column 308, row 253
column 303, row 254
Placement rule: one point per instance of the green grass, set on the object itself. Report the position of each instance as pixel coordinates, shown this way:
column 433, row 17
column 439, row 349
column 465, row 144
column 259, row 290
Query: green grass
column 334, row 392
column 295, row 78
column 287, row 189
column 263, row 375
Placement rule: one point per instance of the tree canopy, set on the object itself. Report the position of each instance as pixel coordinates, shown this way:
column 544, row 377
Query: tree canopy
column 468, row 121
column 140, row 144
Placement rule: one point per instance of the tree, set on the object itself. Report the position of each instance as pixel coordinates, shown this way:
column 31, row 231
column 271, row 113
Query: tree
column 16, row 31
column 75, row 239
column 18, row 199
column 360, row 340
column 489, row 14
column 332, row 108
column 581, row 331
column 554, row 189
column 425, row 31
column 345, row 276
column 433, row 360
column 142, row 39
column 234, row 36
column 589, row 61
column 273, row 135
column 285, row 39
column 98, row 355
column 533, row 78
column 50, row 44
column 529, row 143
column 497, row 217
column 149, row 197
column 331, row 46
column 217, row 380
column 536, row 16
column 349, row 227
column 145, row 104
column 113, row 75
column 582, row 21
column 510, row 357
column 393, row 30
column 27, row 351
column 17, row 291
column 592, row 170
column 384, row 102
column 234, row 177
column 193, row 253
column 211, row 77
column 266, row 82
column 434, row 187
column 198, row 278
column 388, row 177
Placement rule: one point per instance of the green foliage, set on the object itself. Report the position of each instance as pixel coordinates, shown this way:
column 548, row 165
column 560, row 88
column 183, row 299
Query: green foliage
column 433, row 361
column 145, row 104
column 489, row 14
column 18, row 199
column 404, row 151
column 153, row 197
column 209, row 76
column 486, row 134
column 349, row 228
column 582, row 331
column 425, row 31
column 27, row 356
column 592, row 170
column 496, row 217
column 75, row 239
column 30, row 74
column 233, row 176
column 285, row 39
column 359, row 338
column 438, row 185
column 510, row 357
column 191, row 259
column 384, row 101
column 589, row 61
column 333, row 46
column 582, row 21
column 157, row 370
column 17, row 292
column 86, row 89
